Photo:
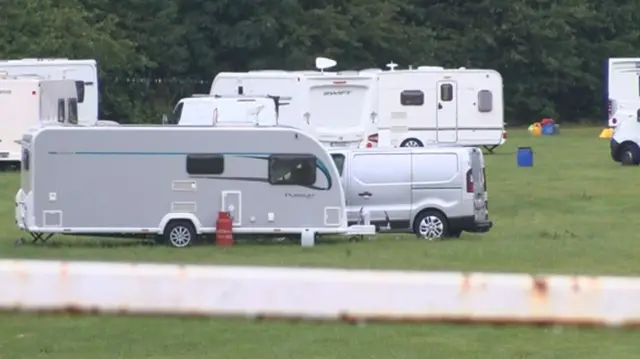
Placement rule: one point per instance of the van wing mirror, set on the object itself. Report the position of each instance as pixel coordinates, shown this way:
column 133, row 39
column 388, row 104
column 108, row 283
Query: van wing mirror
column 80, row 91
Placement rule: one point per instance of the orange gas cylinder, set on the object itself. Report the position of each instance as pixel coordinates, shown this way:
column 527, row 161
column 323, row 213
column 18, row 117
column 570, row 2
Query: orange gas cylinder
column 224, row 230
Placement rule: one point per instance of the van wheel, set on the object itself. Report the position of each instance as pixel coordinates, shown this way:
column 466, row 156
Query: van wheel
column 629, row 155
column 411, row 142
column 431, row 225
column 180, row 234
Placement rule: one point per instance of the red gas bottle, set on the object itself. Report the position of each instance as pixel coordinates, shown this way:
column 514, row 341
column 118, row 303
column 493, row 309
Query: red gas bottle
column 224, row 230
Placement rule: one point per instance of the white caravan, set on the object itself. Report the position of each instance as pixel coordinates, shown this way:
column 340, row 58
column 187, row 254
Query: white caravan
column 203, row 110
column 622, row 91
column 173, row 183
column 433, row 105
column 29, row 101
column 339, row 109
column 84, row 72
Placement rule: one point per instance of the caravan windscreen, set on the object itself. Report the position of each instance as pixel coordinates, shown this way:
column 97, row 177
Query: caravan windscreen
column 338, row 105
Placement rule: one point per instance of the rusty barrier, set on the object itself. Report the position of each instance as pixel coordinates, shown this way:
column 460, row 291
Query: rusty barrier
column 320, row 294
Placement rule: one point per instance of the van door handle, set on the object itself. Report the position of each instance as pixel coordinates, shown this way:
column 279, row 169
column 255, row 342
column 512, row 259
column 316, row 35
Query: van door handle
column 365, row 194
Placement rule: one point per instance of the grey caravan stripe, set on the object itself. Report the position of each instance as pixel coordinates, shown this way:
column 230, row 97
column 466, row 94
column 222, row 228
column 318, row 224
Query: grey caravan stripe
column 447, row 128
column 426, row 186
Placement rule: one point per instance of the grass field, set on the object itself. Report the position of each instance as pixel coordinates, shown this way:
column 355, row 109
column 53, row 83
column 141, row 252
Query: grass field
column 571, row 213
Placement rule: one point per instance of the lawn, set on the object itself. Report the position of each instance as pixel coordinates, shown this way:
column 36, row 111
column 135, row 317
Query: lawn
column 567, row 214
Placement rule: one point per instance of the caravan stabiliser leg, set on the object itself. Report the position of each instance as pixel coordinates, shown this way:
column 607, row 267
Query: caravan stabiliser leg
column 490, row 149
column 42, row 237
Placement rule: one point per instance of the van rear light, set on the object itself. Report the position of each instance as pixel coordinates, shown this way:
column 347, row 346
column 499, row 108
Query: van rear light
column 469, row 182
column 504, row 135
column 614, row 121
column 373, row 138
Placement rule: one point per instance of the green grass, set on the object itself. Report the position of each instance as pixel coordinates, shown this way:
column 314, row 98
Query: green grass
column 572, row 213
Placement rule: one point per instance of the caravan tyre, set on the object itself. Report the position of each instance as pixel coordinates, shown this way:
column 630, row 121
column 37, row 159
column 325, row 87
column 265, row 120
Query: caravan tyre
column 629, row 155
column 431, row 225
column 411, row 142
column 180, row 234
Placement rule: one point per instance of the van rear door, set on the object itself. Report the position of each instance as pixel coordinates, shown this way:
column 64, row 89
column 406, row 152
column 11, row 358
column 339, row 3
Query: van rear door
column 477, row 174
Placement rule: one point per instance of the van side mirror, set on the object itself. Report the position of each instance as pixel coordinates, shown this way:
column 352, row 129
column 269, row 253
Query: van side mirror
column 80, row 91
column 165, row 119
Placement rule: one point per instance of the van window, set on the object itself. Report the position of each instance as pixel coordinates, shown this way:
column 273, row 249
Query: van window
column 174, row 118
column 435, row 168
column 205, row 164
column 292, row 169
column 485, row 101
column 80, row 91
column 412, row 98
column 338, row 159
column 446, row 92
column 382, row 168
column 73, row 111
column 61, row 111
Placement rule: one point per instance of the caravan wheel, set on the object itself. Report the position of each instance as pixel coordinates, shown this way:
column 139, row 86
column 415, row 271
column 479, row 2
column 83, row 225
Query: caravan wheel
column 180, row 234
column 411, row 142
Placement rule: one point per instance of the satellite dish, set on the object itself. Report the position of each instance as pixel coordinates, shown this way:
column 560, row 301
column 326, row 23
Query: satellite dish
column 323, row 63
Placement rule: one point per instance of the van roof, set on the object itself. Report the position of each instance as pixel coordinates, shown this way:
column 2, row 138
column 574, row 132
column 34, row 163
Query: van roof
column 431, row 149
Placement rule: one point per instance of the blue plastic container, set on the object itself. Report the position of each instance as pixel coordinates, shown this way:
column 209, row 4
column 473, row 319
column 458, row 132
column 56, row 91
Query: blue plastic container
column 525, row 157
column 549, row 129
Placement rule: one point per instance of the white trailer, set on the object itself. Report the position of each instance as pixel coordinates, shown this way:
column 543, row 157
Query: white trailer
column 339, row 109
column 83, row 72
column 433, row 105
column 208, row 110
column 28, row 101
column 622, row 88
column 172, row 184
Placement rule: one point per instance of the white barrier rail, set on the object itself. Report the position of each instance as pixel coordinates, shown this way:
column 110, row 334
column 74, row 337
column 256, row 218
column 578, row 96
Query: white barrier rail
column 325, row 294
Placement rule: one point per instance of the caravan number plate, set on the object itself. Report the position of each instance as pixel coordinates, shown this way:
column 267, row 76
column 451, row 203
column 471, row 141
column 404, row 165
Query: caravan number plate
column 4, row 154
column 339, row 144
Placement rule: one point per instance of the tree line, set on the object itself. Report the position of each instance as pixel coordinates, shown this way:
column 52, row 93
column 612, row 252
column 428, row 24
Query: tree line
column 152, row 52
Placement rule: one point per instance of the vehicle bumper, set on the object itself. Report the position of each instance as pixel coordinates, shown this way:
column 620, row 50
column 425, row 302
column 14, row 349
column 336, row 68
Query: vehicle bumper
column 470, row 224
column 613, row 146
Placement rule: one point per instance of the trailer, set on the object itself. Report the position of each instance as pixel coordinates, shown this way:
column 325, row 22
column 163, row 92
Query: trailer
column 83, row 71
column 434, row 105
column 171, row 186
column 339, row 109
column 29, row 101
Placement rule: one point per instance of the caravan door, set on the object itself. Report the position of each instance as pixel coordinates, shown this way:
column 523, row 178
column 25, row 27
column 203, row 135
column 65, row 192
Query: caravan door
column 447, row 112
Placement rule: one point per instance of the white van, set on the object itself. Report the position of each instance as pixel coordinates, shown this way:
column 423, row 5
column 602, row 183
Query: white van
column 204, row 110
column 433, row 192
column 625, row 142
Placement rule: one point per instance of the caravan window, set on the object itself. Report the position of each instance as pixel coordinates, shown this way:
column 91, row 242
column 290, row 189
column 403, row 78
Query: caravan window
column 291, row 169
column 446, row 92
column 61, row 111
column 412, row 98
column 485, row 101
column 205, row 164
column 73, row 111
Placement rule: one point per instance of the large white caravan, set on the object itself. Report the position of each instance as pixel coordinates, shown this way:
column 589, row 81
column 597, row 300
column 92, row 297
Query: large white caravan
column 339, row 109
column 172, row 185
column 28, row 101
column 622, row 87
column 84, row 72
column 426, row 105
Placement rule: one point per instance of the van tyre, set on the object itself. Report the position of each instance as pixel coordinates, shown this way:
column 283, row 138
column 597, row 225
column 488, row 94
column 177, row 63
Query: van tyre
column 411, row 142
column 180, row 234
column 431, row 225
column 629, row 155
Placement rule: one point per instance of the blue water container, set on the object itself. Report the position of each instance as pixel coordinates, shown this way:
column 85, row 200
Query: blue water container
column 549, row 129
column 525, row 157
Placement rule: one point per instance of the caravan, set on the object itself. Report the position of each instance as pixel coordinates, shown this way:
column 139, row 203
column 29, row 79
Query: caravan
column 29, row 101
column 339, row 109
column 622, row 88
column 430, row 105
column 83, row 72
column 171, row 186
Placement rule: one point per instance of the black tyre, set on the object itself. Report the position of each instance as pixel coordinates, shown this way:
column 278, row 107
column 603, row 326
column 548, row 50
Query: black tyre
column 411, row 142
column 180, row 234
column 629, row 155
column 431, row 225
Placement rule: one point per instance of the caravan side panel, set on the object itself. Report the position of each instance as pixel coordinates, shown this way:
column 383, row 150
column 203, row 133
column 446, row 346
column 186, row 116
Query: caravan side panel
column 106, row 179
column 480, row 107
